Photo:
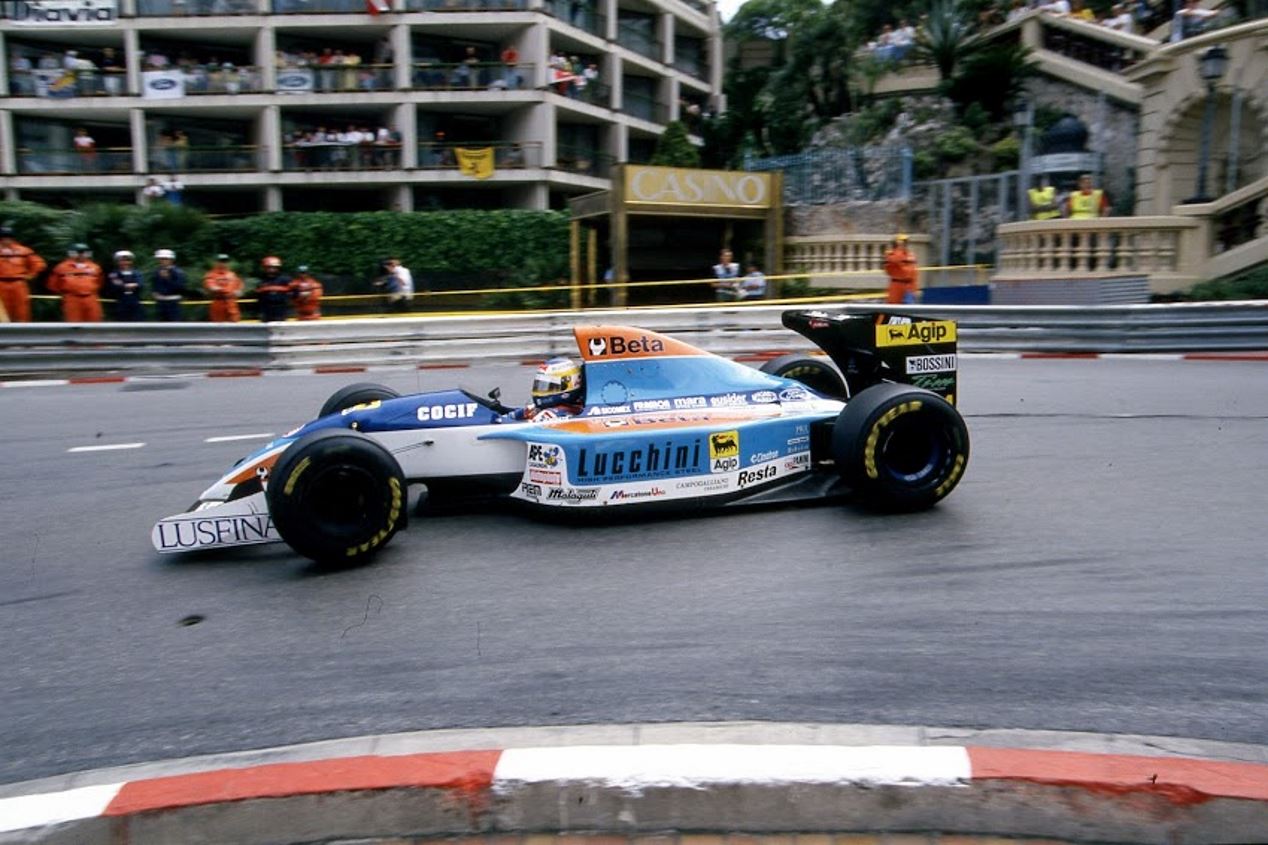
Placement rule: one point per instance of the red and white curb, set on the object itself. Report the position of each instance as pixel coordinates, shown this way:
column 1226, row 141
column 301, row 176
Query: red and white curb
column 474, row 778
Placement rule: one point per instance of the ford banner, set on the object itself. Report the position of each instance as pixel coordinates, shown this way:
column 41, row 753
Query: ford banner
column 162, row 84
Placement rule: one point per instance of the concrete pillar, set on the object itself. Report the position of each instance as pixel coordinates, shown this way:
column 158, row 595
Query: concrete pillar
column 4, row 66
column 673, row 90
column 665, row 34
column 536, row 49
column 8, row 143
column 403, row 56
column 140, row 141
column 403, row 198
column 546, row 128
column 266, row 57
column 270, row 140
column 611, row 73
column 609, row 8
column 273, row 198
column 132, row 60
column 405, row 118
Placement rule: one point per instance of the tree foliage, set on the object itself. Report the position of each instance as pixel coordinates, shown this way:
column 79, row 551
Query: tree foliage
column 674, row 148
column 992, row 78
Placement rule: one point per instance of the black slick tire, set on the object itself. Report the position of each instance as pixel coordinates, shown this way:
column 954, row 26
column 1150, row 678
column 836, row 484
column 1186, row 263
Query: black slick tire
column 356, row 394
column 337, row 497
column 900, row 448
column 816, row 374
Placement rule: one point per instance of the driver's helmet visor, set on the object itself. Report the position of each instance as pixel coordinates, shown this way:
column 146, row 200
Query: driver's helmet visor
column 551, row 384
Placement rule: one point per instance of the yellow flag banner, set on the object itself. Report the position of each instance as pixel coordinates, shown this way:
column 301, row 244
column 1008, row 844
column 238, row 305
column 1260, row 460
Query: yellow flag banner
column 477, row 163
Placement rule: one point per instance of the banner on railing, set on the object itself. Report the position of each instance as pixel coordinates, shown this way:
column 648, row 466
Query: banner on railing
column 295, row 80
column 162, row 84
column 62, row 12
column 55, row 83
column 477, row 163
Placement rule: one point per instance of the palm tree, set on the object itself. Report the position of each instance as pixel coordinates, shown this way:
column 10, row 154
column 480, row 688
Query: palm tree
column 946, row 37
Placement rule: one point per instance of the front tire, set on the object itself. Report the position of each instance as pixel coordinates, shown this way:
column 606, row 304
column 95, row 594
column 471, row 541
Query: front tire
column 360, row 393
column 814, row 373
column 337, row 497
column 900, row 448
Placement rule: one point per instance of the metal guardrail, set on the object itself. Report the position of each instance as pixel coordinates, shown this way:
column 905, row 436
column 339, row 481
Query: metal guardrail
column 730, row 330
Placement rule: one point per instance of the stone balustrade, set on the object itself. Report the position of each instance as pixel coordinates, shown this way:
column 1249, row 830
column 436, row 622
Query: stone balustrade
column 846, row 261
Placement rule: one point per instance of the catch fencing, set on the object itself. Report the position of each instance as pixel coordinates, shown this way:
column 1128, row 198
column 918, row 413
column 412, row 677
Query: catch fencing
column 33, row 349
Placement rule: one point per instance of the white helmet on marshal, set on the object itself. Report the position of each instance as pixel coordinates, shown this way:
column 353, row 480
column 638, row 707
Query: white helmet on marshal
column 165, row 253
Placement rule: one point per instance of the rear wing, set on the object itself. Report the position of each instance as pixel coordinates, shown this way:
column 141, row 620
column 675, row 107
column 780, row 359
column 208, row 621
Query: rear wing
column 872, row 347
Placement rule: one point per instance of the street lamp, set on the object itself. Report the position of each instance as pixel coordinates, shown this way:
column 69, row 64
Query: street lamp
column 1023, row 119
column 1211, row 67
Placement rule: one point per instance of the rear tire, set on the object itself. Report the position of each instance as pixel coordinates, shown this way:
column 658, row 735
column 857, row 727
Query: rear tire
column 816, row 374
column 337, row 497
column 899, row 447
column 356, row 394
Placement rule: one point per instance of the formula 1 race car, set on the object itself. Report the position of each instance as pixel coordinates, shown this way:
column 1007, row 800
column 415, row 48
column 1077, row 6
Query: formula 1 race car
column 662, row 423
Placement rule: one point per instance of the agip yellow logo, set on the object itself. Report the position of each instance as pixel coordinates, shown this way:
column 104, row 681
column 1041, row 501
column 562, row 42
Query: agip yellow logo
column 911, row 334
column 724, row 444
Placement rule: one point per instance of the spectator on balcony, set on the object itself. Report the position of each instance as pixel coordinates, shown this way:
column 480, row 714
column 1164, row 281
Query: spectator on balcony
column 1017, row 11
column 155, row 61
column 1055, row 7
column 882, row 48
column 86, row 147
column 1191, row 20
column 21, row 79
column 1087, row 203
column 168, row 285
column 1043, row 201
column 1121, row 19
column 1080, row 12
column 113, row 72
column 123, row 285
column 153, row 190
column 903, row 40
column 351, row 72
column 180, row 150
column 328, row 69
column 510, row 67
column 173, row 190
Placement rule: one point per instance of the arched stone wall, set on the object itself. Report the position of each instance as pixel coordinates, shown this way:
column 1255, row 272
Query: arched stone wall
column 1173, row 95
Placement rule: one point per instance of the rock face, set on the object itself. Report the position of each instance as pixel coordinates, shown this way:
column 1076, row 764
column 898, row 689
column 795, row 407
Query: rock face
column 847, row 218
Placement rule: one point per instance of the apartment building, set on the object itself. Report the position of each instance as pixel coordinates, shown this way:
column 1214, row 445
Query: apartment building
column 345, row 104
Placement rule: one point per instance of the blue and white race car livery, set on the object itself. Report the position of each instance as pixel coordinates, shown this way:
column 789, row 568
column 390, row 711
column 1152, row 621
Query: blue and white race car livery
column 663, row 423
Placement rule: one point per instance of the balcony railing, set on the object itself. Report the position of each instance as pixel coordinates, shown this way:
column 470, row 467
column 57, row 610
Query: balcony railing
column 463, row 76
column 584, row 160
column 325, row 79
column 579, row 13
column 1090, row 44
column 181, row 8
column 63, row 84
column 635, row 37
column 645, row 108
column 225, row 159
column 507, row 155
column 690, row 65
column 1089, row 248
column 318, row 7
column 466, row 5
column 223, row 80
column 48, row 161
column 331, row 155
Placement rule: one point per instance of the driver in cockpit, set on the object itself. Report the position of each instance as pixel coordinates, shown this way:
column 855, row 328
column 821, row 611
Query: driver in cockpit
column 558, row 392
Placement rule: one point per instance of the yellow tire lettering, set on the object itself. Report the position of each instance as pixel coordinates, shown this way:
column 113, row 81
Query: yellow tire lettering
column 956, row 470
column 874, row 436
column 295, row 474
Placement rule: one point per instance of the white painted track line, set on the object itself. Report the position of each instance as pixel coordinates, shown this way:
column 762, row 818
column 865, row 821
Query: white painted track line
column 105, row 447
column 229, row 438
column 56, row 808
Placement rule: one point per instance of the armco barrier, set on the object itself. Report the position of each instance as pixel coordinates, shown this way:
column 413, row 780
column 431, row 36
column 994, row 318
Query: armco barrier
column 730, row 330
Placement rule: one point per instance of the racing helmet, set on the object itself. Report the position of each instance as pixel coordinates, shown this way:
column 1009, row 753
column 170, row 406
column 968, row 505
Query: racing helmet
column 558, row 382
column 271, row 261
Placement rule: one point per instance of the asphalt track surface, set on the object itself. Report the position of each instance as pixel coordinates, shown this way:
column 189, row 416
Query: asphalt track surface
column 1101, row 567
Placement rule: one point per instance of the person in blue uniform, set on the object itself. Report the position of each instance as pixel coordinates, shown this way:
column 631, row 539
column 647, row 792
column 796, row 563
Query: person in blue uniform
column 168, row 284
column 123, row 285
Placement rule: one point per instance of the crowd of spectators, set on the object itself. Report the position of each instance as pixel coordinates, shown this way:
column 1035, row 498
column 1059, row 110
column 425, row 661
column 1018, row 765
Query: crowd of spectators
column 355, row 147
column 895, row 42
column 336, row 69
column 72, row 73
column 572, row 77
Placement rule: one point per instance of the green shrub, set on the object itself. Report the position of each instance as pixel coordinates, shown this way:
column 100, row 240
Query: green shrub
column 956, row 144
column 674, row 148
column 1252, row 284
column 1005, row 153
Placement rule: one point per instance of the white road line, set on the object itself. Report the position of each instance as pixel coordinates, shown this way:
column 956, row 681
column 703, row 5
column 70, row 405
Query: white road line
column 51, row 382
column 105, row 447
column 28, row 811
column 229, row 438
